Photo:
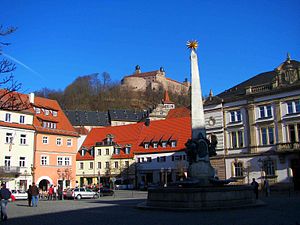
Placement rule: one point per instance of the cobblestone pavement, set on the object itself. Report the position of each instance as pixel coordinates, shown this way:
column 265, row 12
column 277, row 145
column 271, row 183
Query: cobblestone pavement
column 121, row 210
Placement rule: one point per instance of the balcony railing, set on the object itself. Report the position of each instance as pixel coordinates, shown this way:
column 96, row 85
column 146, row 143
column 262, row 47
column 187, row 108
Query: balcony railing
column 288, row 147
column 9, row 171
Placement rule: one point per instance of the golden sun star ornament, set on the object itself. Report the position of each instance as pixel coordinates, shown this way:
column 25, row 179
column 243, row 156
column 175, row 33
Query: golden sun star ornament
column 192, row 44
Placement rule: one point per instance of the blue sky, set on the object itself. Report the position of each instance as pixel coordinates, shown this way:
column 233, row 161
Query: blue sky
column 60, row 40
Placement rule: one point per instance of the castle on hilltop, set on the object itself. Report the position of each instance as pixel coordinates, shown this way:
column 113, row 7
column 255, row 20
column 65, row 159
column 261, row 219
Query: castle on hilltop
column 155, row 80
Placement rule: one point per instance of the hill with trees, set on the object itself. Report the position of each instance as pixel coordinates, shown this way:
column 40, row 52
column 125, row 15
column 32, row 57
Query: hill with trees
column 96, row 92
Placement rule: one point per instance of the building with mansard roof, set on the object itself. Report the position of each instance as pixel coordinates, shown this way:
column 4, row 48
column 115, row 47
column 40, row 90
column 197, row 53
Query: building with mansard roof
column 261, row 127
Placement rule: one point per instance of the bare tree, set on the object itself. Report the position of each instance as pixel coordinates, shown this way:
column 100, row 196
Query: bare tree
column 9, row 99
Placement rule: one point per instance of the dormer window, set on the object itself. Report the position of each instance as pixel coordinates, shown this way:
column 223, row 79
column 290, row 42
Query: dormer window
column 155, row 145
column 164, row 144
column 83, row 151
column 46, row 112
column 109, row 139
column 117, row 151
column 146, row 145
column 54, row 113
column 173, row 144
column 37, row 110
column 127, row 149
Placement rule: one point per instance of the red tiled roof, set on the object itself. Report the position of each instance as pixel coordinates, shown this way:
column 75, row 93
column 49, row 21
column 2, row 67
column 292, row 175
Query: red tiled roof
column 63, row 126
column 146, row 74
column 87, row 156
column 178, row 129
column 82, row 130
column 179, row 112
column 17, row 125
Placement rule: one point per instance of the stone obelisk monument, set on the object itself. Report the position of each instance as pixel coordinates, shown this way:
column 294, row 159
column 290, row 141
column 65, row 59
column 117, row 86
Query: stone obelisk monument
column 198, row 148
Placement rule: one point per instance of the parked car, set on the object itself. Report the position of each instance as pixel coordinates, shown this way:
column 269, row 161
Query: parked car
column 67, row 193
column 106, row 191
column 19, row 195
column 80, row 193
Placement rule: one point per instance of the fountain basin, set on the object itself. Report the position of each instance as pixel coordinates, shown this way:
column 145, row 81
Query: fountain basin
column 201, row 198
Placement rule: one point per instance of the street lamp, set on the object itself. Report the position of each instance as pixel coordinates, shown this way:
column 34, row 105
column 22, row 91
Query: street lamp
column 25, row 183
column 99, row 177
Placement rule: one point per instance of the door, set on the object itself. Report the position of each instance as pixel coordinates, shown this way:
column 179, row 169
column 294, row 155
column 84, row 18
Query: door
column 295, row 164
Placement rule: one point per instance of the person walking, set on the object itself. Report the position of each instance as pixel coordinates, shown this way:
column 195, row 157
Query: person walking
column 34, row 191
column 255, row 187
column 4, row 195
column 267, row 187
column 55, row 192
column 50, row 192
column 29, row 196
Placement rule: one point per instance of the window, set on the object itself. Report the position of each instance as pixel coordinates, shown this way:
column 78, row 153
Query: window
column 265, row 111
column 91, row 165
column 161, row 159
column 149, row 159
column 293, row 106
column 107, row 165
column 99, row 165
column 58, row 141
column 99, row 151
column 269, row 167
column 238, row 169
column 81, row 165
column 235, row 116
column 59, row 161
column 236, row 139
column 116, row 165
column 127, row 150
column 46, row 112
column 9, row 138
column 146, row 145
column 44, row 160
column 22, row 119
column 37, row 110
column 23, row 139
column 54, row 113
column 164, row 144
column 126, row 164
column 69, row 142
column 7, row 161
column 45, row 140
column 117, row 151
column 154, row 145
column 107, row 151
column 267, row 135
column 173, row 144
column 294, row 132
column 7, row 117
column 67, row 161
column 22, row 162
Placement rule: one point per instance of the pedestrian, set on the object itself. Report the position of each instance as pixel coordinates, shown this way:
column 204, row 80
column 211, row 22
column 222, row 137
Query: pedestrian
column 4, row 195
column 50, row 193
column 255, row 187
column 29, row 196
column 34, row 191
column 60, row 192
column 55, row 192
column 267, row 187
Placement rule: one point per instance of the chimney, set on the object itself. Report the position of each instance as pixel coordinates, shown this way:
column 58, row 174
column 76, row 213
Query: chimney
column 147, row 122
column 31, row 98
